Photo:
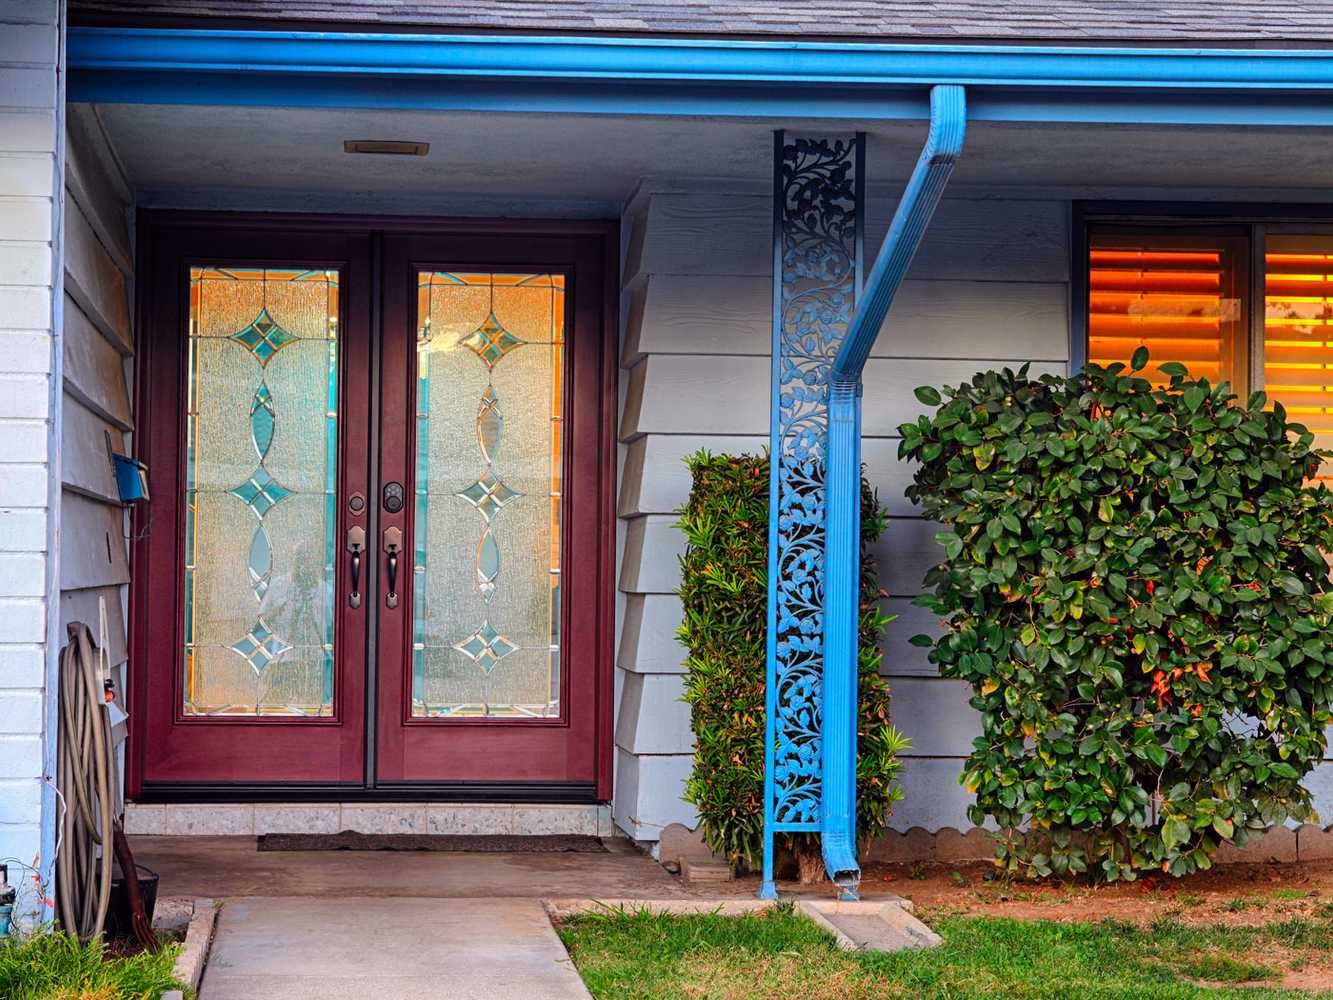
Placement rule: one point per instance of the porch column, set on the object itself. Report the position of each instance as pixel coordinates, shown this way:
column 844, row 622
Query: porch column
column 822, row 337
column 819, row 192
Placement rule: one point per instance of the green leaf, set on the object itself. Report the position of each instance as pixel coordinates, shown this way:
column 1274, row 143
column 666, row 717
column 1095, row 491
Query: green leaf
column 1139, row 360
column 1175, row 831
column 928, row 395
column 1193, row 397
column 1224, row 827
column 1173, row 368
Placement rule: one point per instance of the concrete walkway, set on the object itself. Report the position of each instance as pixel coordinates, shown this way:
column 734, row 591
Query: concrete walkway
column 388, row 949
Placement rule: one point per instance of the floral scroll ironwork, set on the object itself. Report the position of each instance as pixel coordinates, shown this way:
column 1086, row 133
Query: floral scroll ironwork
column 818, row 193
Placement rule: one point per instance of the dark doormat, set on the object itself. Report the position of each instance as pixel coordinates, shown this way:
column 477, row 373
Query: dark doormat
column 485, row 843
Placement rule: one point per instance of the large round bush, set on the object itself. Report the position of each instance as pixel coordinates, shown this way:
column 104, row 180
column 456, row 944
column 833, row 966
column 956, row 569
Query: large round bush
column 1135, row 587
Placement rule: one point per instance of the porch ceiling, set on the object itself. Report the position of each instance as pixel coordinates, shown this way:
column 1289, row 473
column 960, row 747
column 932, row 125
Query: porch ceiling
column 601, row 159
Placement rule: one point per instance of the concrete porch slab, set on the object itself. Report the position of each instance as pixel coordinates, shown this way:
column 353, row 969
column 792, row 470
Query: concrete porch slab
column 225, row 867
column 389, row 949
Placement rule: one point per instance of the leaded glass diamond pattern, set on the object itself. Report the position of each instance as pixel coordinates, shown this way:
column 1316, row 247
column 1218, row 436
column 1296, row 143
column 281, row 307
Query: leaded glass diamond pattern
column 485, row 647
column 489, row 495
column 261, row 492
column 261, row 647
column 263, row 338
column 491, row 341
column 274, row 572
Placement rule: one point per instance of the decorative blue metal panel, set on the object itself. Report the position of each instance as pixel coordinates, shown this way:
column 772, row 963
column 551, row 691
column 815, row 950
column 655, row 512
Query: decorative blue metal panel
column 818, row 194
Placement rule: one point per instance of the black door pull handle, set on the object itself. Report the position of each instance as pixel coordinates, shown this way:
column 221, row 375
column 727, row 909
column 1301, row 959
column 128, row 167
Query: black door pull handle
column 393, row 544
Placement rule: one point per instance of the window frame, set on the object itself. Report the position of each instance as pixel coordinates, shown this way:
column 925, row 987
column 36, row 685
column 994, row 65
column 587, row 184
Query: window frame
column 1257, row 219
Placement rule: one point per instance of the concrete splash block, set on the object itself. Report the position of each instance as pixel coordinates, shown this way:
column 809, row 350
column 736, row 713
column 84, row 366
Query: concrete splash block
column 870, row 925
column 859, row 925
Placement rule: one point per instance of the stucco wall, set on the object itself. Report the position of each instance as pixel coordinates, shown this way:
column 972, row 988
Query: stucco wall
column 30, row 99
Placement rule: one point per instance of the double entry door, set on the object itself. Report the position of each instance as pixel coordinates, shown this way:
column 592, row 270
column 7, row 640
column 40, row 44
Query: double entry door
column 377, row 548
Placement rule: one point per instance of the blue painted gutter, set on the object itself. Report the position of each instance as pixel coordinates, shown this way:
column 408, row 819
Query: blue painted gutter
column 842, row 539
column 573, row 57
column 666, row 76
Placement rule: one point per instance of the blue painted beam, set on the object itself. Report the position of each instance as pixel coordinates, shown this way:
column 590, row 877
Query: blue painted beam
column 767, row 79
column 842, row 533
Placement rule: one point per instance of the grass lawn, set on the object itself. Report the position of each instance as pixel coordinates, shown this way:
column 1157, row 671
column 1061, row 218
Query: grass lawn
column 53, row 966
column 779, row 954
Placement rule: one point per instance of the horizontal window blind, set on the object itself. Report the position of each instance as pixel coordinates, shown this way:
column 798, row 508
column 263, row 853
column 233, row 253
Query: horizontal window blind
column 1181, row 296
column 1298, row 331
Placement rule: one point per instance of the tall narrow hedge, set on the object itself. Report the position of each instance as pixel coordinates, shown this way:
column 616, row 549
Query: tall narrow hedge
column 1134, row 584
column 725, row 597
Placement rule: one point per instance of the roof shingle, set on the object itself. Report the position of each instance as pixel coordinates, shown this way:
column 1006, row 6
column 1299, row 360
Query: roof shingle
column 1291, row 23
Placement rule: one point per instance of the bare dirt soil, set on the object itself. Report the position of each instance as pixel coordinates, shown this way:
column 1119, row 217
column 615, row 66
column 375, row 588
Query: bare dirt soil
column 1236, row 895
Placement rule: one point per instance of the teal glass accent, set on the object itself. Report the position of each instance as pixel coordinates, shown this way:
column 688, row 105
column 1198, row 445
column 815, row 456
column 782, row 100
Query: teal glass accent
column 420, row 522
column 263, row 338
column 262, row 420
column 488, row 564
column 260, row 647
column 486, row 647
column 261, row 492
column 261, row 563
column 330, row 497
column 490, row 425
column 491, row 341
column 489, row 495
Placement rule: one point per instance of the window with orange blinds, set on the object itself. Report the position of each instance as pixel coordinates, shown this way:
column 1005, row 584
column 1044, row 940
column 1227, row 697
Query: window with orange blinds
column 1298, row 332
column 1180, row 294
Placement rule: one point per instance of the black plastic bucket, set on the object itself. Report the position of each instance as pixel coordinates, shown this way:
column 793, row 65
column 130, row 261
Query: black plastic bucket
column 119, row 919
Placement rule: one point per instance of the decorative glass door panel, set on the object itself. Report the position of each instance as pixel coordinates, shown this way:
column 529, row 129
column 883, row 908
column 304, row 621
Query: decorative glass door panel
column 260, row 482
column 486, row 582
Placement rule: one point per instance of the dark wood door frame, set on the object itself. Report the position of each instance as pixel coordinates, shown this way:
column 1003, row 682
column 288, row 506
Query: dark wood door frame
column 161, row 237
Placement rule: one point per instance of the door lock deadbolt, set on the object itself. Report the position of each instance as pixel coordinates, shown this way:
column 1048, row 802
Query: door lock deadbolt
column 393, row 497
column 356, row 503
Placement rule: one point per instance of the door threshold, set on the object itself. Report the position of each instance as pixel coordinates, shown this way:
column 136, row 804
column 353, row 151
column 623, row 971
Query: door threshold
column 479, row 792
column 249, row 819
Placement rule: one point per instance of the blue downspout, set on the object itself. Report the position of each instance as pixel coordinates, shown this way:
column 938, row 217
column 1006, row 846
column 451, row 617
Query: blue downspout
column 842, row 541
column 767, row 886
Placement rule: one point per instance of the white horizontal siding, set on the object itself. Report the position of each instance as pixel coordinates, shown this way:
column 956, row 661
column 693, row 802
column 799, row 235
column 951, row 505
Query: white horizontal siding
column 29, row 47
column 96, row 406
column 990, row 286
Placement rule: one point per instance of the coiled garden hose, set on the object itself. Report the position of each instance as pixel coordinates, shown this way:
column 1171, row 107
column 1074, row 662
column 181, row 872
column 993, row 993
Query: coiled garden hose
column 87, row 780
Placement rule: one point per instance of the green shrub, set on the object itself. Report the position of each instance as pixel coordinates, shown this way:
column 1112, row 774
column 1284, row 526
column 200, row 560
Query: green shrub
column 724, row 592
column 52, row 965
column 1136, row 591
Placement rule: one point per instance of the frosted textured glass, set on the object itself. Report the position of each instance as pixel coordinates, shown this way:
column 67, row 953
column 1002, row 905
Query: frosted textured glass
column 260, row 477
column 485, row 609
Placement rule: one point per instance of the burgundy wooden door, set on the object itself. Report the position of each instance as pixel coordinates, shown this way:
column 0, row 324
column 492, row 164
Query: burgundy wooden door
column 379, row 543
column 497, row 397
column 248, row 661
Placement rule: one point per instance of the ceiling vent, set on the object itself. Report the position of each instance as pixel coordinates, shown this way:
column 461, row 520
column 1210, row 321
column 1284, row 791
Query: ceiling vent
column 386, row 147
